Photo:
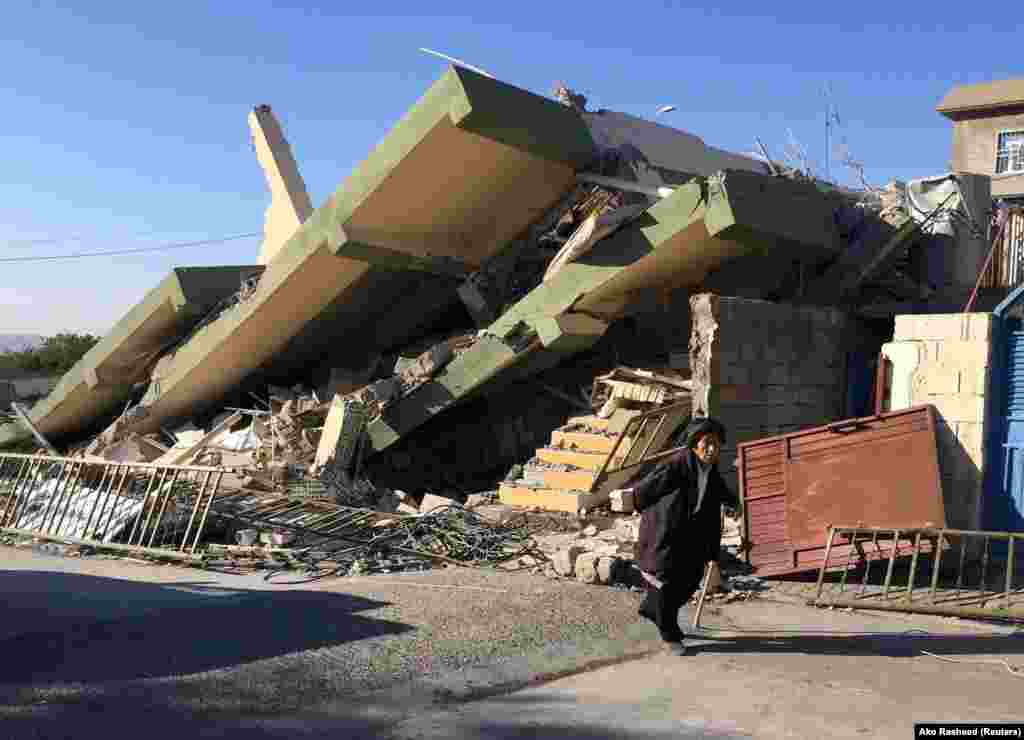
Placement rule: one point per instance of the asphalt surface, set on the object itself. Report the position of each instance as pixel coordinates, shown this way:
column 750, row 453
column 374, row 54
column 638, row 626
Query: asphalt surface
column 112, row 647
column 93, row 643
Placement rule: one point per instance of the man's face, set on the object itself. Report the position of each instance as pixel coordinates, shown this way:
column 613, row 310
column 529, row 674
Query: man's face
column 708, row 448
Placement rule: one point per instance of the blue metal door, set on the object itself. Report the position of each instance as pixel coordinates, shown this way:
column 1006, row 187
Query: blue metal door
column 1005, row 512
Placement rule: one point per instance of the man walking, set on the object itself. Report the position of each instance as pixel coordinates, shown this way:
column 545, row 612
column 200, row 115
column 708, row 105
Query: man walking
column 680, row 525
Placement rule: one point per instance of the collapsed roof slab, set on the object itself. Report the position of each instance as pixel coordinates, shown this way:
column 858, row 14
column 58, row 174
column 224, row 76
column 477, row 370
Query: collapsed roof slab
column 467, row 169
column 534, row 334
column 749, row 220
column 676, row 243
column 104, row 376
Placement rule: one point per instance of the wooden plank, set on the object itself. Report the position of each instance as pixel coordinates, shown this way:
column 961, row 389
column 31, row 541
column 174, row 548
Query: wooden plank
column 181, row 457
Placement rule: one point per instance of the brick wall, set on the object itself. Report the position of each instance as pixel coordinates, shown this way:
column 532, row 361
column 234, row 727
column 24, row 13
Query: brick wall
column 943, row 360
column 974, row 149
column 767, row 368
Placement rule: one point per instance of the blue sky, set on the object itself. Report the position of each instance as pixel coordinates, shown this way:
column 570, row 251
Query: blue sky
column 124, row 124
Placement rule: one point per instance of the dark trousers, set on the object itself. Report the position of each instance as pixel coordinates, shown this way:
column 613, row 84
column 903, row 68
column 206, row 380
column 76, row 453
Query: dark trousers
column 662, row 605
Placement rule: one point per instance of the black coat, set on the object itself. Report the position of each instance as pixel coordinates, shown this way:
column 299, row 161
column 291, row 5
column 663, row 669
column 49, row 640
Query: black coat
column 679, row 529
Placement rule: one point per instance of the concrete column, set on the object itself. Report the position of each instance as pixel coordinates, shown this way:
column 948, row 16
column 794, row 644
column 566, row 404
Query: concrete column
column 289, row 202
column 704, row 349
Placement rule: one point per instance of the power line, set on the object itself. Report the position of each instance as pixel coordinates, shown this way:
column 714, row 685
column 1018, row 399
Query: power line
column 55, row 240
column 113, row 252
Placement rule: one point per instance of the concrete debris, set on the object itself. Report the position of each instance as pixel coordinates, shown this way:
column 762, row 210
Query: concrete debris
column 608, row 569
column 565, row 560
column 432, row 502
column 586, row 567
column 351, row 350
column 475, row 500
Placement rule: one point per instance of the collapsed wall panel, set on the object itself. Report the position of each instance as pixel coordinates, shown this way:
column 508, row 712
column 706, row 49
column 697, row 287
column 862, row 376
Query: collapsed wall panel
column 467, row 169
column 104, row 376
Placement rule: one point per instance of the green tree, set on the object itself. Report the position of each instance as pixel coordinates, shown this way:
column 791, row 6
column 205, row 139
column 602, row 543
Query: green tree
column 55, row 356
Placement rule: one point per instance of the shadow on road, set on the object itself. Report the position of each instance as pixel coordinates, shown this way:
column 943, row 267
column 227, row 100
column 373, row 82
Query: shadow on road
column 70, row 628
column 896, row 645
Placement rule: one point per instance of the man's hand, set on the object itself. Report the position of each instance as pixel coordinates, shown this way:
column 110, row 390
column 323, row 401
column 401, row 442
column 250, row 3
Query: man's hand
column 622, row 499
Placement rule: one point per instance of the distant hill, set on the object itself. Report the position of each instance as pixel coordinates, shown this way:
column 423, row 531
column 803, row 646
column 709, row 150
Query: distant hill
column 19, row 342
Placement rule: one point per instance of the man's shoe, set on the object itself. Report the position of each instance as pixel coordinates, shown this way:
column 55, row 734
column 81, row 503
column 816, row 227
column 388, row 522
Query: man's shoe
column 677, row 647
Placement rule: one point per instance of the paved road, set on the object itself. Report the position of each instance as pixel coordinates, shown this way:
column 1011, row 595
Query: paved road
column 95, row 646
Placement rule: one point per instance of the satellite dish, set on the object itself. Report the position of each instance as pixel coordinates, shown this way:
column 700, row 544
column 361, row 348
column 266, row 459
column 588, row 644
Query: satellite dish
column 666, row 109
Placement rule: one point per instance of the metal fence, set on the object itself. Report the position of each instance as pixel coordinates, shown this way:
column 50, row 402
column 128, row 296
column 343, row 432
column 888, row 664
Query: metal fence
column 951, row 572
column 642, row 441
column 1006, row 267
column 133, row 506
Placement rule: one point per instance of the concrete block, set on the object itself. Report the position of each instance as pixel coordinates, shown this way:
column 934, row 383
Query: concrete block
column 586, row 567
column 970, row 437
column 905, row 328
column 815, row 371
column 956, row 408
column 974, row 380
column 734, row 374
column 905, row 358
column 815, row 395
column 564, row 561
column 607, row 569
column 779, row 394
column 979, row 327
column 432, row 501
column 775, row 375
column 938, row 327
column 961, row 352
column 751, row 351
column 933, row 380
column 477, row 499
column 404, row 508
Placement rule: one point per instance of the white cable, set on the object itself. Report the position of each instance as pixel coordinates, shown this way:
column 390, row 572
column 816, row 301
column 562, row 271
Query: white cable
column 1014, row 671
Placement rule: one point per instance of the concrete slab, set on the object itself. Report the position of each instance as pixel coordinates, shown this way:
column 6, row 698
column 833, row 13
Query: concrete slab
column 677, row 243
column 103, row 378
column 466, row 170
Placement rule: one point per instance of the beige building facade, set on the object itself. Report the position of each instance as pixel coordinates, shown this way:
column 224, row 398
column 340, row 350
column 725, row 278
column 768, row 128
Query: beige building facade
column 988, row 133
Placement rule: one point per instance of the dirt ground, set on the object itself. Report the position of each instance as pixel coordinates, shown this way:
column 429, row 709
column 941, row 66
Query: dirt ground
column 93, row 644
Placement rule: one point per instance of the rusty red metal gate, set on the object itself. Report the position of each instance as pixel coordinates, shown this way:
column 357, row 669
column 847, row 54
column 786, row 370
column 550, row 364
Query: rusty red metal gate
column 881, row 470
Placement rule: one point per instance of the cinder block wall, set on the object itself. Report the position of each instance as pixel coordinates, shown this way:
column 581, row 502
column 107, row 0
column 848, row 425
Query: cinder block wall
column 943, row 360
column 766, row 368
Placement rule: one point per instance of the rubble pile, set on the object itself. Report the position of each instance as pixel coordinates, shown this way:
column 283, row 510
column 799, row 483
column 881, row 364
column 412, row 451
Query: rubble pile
column 545, row 225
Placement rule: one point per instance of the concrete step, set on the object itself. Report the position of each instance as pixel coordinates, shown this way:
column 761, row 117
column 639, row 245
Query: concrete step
column 591, row 422
column 582, row 441
column 584, row 460
column 549, row 499
column 572, row 480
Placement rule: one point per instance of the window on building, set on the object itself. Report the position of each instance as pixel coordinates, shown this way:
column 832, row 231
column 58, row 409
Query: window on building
column 1010, row 152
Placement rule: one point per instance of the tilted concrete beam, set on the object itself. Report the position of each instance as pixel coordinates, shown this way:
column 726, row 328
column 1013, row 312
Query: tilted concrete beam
column 104, row 377
column 466, row 169
column 677, row 243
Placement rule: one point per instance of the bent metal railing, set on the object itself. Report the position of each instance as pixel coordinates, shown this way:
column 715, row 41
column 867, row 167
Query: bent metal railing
column 161, row 509
column 642, row 441
column 949, row 572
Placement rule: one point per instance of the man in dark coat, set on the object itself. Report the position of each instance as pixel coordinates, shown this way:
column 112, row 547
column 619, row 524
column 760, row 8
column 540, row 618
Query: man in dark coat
column 680, row 525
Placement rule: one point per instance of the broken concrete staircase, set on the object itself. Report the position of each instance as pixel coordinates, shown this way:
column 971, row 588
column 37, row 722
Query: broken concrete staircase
column 561, row 476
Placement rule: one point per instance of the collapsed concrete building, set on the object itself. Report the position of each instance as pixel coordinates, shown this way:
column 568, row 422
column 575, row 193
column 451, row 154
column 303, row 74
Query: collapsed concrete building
column 496, row 251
